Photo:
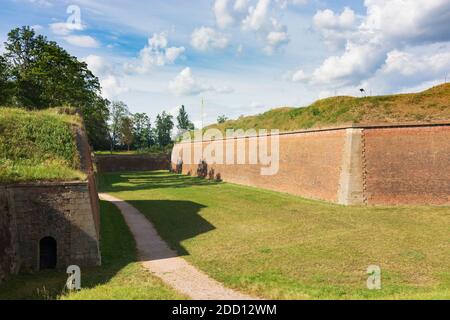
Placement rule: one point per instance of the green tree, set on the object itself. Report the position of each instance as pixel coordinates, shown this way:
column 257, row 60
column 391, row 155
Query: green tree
column 163, row 129
column 118, row 111
column 126, row 132
column 184, row 124
column 95, row 114
column 5, row 83
column 44, row 75
column 222, row 119
column 142, row 131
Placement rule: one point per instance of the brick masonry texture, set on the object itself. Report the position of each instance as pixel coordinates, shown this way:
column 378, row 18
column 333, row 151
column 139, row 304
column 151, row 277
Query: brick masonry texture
column 117, row 163
column 69, row 212
column 310, row 165
column 379, row 165
column 407, row 165
column 59, row 210
column 87, row 166
column 6, row 246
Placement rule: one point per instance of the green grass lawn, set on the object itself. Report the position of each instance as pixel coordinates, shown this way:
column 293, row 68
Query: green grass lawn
column 120, row 277
column 279, row 246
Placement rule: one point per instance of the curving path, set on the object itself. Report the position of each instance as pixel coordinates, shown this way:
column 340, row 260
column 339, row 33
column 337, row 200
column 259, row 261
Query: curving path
column 158, row 258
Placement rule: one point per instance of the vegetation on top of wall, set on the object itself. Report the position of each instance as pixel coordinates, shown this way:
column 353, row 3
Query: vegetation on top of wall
column 36, row 74
column 38, row 145
column 152, row 150
column 430, row 105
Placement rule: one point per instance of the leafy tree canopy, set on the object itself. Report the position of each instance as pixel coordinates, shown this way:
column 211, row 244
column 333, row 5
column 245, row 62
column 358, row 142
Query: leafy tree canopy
column 142, row 131
column 5, row 83
column 44, row 75
column 164, row 127
column 184, row 124
column 126, row 132
column 118, row 111
column 222, row 119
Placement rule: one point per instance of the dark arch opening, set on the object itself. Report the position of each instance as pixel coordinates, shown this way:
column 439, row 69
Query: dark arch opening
column 47, row 253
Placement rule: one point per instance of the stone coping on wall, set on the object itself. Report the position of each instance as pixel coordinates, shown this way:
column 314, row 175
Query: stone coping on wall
column 340, row 127
column 44, row 184
column 131, row 155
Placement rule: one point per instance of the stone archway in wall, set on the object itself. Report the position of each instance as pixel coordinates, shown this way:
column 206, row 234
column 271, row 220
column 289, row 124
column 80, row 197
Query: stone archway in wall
column 47, row 253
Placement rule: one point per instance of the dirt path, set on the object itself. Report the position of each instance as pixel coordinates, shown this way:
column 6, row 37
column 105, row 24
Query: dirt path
column 163, row 262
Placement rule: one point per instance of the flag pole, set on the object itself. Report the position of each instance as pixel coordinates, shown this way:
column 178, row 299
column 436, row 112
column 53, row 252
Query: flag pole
column 201, row 132
column 203, row 110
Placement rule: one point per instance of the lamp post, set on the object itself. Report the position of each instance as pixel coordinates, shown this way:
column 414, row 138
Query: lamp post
column 363, row 92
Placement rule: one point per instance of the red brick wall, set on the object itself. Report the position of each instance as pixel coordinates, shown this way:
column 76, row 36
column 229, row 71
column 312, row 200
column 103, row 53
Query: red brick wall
column 30, row 212
column 115, row 163
column 87, row 166
column 309, row 166
column 400, row 164
column 6, row 249
column 407, row 165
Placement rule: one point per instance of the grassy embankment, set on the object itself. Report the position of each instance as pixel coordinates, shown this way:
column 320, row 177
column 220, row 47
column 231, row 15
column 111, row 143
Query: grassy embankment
column 430, row 105
column 120, row 276
column 280, row 246
column 38, row 145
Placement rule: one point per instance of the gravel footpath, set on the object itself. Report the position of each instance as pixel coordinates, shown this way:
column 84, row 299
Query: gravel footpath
column 163, row 262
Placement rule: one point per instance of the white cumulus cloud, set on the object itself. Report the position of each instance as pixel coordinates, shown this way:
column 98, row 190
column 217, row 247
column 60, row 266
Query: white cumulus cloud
column 82, row 41
column 109, row 80
column 257, row 16
column 207, row 38
column 64, row 28
column 284, row 3
column 223, row 14
column 276, row 39
column 185, row 84
column 327, row 19
column 299, row 75
column 155, row 54
column 406, row 69
column 68, row 32
column 387, row 28
column 240, row 5
column 335, row 28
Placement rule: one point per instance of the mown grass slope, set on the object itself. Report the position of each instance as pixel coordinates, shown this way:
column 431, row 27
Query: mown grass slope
column 280, row 246
column 38, row 145
column 430, row 105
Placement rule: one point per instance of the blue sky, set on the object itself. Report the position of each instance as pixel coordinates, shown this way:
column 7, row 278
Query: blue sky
column 245, row 56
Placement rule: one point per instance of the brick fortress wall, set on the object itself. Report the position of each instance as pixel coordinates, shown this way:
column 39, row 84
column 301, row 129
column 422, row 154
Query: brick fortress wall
column 375, row 165
column 309, row 165
column 117, row 163
column 69, row 212
column 61, row 210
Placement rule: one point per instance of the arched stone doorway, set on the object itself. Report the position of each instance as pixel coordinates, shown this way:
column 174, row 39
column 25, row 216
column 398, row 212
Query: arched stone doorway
column 47, row 253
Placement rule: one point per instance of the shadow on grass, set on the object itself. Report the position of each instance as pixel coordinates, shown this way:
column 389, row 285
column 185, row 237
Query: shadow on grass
column 118, row 250
column 175, row 221
column 132, row 181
